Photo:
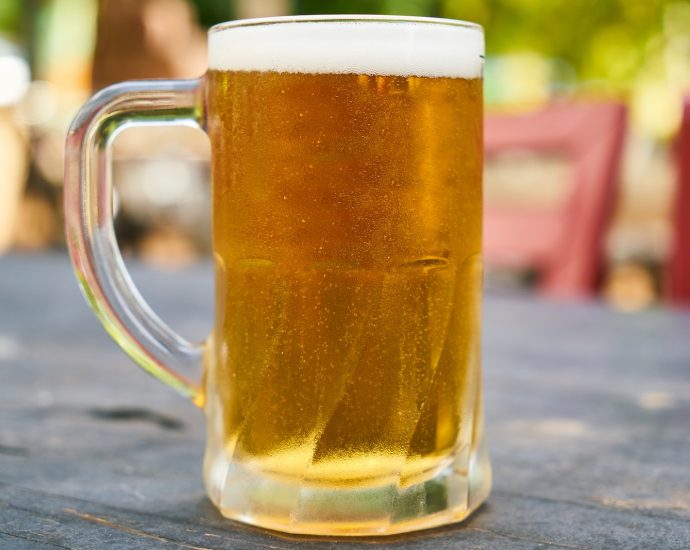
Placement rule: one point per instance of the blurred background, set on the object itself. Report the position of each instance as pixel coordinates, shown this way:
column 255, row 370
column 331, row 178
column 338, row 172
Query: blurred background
column 55, row 53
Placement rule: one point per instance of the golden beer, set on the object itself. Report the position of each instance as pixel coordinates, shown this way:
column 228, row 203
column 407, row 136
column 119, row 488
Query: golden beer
column 347, row 238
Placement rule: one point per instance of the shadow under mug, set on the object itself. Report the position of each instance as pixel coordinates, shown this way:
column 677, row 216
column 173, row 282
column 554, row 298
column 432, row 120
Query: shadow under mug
column 342, row 382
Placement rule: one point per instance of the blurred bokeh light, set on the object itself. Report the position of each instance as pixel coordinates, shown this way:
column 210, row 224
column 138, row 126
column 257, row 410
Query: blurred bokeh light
column 54, row 53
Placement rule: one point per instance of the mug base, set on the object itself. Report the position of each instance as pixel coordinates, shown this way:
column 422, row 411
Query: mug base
column 448, row 497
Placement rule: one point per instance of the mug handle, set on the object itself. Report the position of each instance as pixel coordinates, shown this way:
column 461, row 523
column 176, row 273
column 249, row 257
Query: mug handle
column 88, row 203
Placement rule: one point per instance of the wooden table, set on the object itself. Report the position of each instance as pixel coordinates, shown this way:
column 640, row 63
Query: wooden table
column 588, row 426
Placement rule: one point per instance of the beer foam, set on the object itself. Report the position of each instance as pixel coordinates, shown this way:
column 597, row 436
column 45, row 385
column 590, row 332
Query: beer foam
column 397, row 47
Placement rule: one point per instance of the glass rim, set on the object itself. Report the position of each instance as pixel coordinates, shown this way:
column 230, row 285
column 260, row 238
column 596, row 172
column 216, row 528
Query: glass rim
column 344, row 18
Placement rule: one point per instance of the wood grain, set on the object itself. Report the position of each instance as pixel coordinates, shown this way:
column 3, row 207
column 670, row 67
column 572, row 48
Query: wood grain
column 588, row 426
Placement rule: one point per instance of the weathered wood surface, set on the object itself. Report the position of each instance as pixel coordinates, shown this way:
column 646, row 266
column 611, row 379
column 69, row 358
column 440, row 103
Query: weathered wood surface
column 588, row 425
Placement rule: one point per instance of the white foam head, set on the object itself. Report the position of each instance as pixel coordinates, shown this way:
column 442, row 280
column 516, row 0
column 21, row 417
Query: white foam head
column 358, row 45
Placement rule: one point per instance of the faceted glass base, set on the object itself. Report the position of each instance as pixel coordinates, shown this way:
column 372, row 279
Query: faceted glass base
column 243, row 494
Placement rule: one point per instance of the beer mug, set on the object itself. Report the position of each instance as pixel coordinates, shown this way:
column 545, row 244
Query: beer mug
column 342, row 384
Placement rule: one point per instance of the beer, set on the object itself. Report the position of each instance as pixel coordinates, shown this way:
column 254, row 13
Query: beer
column 347, row 237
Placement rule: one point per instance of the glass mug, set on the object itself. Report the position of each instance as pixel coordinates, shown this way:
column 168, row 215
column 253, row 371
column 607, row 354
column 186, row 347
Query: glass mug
column 342, row 379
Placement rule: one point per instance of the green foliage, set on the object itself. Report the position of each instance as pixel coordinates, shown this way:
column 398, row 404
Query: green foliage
column 210, row 12
column 10, row 16
column 600, row 39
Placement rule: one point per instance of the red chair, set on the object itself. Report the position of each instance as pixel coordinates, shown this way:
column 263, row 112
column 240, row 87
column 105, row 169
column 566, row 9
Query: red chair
column 563, row 244
column 678, row 283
